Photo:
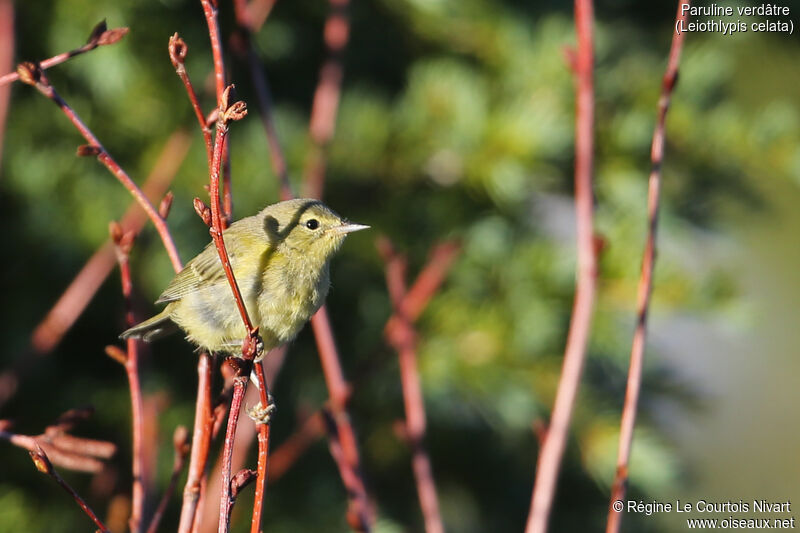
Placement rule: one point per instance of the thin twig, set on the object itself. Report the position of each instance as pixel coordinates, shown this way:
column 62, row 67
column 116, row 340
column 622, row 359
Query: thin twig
column 201, row 441
column 211, row 12
column 44, row 466
column 263, row 452
column 76, row 297
column 180, row 441
column 177, row 55
column 123, row 242
column 263, row 94
column 65, row 450
column 100, row 36
column 227, row 500
column 34, row 75
column 403, row 340
column 645, row 289
column 552, row 450
column 360, row 515
column 326, row 97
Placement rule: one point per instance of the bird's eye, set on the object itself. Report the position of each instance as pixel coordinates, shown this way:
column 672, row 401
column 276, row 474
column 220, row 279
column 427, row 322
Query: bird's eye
column 312, row 223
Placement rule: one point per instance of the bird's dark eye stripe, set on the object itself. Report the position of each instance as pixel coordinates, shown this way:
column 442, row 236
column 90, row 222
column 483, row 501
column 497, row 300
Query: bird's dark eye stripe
column 312, row 223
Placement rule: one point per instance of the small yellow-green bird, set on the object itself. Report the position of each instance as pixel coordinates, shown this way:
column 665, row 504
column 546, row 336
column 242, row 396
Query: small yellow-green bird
column 280, row 258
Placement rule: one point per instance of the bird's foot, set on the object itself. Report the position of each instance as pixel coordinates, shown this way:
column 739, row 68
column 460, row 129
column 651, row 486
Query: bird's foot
column 261, row 414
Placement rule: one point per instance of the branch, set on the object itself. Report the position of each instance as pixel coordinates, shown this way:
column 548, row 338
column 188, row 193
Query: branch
column 251, row 344
column 414, row 302
column 263, row 451
column 177, row 55
column 403, row 340
column 68, row 451
column 201, row 442
column 180, row 441
column 123, row 241
column 228, row 499
column 100, row 36
column 44, row 466
column 76, row 297
column 228, row 112
column 32, row 74
column 326, row 97
column 628, row 422
column 552, row 450
column 211, row 12
column 344, row 447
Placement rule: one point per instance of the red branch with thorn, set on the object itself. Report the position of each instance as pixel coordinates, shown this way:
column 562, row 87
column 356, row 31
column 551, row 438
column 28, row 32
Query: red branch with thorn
column 628, row 422
column 552, row 450
column 403, row 340
column 32, row 74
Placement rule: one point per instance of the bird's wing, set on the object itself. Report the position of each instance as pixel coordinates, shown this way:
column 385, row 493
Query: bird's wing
column 204, row 270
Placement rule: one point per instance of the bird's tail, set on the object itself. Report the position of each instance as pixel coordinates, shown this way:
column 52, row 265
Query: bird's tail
column 151, row 329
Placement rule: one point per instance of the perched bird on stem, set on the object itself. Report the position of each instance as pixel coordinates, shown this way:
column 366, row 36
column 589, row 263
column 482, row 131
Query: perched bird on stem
column 280, row 258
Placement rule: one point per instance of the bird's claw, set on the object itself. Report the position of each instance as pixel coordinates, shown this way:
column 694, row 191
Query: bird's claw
column 261, row 414
column 260, row 351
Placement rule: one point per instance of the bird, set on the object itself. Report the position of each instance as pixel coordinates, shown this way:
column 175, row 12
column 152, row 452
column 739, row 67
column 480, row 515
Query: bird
column 281, row 261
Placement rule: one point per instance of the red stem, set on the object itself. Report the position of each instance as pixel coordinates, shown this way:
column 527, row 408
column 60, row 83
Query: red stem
column 201, row 441
column 161, row 225
column 43, row 465
column 60, row 58
column 552, row 450
column 645, row 289
column 137, row 406
column 181, row 450
column 177, row 54
column 76, row 297
column 211, row 13
column 403, row 340
column 326, row 97
column 427, row 283
column 216, row 219
column 226, row 501
column 263, row 453
column 348, row 461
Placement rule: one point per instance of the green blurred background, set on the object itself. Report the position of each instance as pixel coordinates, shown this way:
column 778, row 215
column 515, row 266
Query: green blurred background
column 456, row 121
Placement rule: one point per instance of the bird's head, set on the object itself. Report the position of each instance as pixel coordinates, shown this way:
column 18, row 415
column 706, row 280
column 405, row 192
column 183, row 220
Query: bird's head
column 307, row 226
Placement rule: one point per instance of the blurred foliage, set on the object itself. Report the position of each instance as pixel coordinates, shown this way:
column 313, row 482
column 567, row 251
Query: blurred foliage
column 456, row 121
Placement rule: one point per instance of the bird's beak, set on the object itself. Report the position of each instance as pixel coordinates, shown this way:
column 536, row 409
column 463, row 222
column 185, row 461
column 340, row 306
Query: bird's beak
column 349, row 228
